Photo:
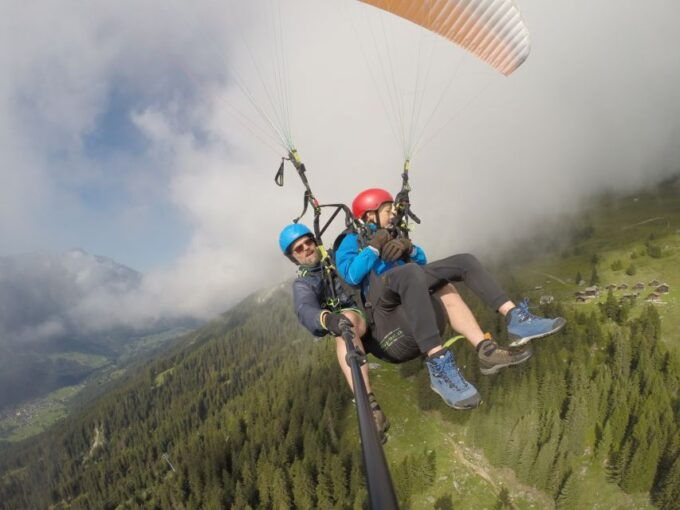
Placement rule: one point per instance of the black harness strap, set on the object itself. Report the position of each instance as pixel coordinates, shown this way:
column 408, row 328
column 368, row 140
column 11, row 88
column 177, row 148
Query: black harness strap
column 329, row 271
column 402, row 204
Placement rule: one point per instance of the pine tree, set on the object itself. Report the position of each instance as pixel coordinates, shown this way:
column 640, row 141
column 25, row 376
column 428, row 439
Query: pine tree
column 604, row 442
column 361, row 500
column 594, row 277
column 668, row 495
column 338, row 480
column 280, row 494
column 302, row 486
column 240, row 499
column 611, row 306
column 576, row 422
column 641, row 471
column 214, row 500
column 618, row 463
column 526, row 460
column 568, row 498
column 430, row 468
column 504, row 499
column 324, row 491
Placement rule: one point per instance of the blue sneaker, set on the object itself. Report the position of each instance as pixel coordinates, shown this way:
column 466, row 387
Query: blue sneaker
column 524, row 325
column 449, row 383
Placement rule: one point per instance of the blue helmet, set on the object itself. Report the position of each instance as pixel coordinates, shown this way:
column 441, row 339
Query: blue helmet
column 290, row 234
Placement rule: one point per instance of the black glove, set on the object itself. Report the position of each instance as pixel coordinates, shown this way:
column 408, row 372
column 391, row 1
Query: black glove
column 393, row 250
column 379, row 238
column 336, row 322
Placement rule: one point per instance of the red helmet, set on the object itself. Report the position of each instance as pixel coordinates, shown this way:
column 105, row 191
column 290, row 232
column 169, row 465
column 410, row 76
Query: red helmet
column 369, row 200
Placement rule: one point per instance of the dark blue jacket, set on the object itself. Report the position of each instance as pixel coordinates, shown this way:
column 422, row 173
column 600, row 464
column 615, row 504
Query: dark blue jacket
column 310, row 295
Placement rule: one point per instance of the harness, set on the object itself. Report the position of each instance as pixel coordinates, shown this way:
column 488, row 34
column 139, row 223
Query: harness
column 399, row 227
column 402, row 204
column 329, row 272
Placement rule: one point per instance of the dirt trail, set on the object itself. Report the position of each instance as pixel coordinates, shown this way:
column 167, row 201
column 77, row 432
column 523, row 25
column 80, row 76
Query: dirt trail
column 98, row 441
column 515, row 488
column 479, row 470
column 643, row 222
column 552, row 276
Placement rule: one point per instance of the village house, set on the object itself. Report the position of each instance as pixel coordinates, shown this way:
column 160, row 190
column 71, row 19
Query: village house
column 592, row 291
column 639, row 286
column 653, row 298
column 653, row 283
column 584, row 298
column 662, row 289
column 611, row 286
column 623, row 286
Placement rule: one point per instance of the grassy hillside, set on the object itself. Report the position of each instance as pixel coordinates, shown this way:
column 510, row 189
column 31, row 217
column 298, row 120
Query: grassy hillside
column 641, row 230
column 465, row 477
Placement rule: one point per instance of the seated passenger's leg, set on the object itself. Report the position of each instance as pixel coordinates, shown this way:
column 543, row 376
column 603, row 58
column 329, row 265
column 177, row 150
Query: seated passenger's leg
column 491, row 356
column 449, row 383
column 408, row 287
column 396, row 336
column 460, row 316
column 523, row 326
column 466, row 268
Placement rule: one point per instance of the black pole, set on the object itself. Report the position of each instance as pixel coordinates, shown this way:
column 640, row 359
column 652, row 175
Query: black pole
column 379, row 481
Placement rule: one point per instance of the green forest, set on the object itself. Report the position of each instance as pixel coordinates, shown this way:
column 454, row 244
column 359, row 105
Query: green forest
column 249, row 411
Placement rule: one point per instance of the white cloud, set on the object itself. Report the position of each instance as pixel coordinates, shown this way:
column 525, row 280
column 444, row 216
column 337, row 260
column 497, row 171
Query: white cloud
column 595, row 106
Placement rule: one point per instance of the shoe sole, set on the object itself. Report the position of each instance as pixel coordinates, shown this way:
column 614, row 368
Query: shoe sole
column 460, row 408
column 522, row 341
column 496, row 368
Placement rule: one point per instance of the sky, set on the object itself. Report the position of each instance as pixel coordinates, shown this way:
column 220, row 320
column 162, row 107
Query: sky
column 127, row 129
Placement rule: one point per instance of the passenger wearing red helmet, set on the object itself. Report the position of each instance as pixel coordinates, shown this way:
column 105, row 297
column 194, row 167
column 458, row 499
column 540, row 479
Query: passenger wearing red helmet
column 397, row 283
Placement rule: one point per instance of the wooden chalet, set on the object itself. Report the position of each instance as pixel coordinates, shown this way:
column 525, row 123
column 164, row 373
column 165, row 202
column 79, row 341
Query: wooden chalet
column 662, row 289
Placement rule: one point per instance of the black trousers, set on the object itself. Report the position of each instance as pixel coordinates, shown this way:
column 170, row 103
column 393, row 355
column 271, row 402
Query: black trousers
column 408, row 320
column 466, row 268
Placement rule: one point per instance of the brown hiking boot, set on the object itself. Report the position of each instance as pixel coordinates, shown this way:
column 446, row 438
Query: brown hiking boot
column 492, row 357
column 382, row 424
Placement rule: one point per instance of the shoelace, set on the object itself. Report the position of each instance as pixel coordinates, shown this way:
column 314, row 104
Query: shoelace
column 523, row 313
column 440, row 370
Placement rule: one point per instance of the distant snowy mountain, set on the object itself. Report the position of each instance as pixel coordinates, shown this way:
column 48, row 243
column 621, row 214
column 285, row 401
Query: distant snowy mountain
column 40, row 292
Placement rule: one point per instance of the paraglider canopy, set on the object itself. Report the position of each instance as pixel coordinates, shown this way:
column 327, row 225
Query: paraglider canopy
column 492, row 30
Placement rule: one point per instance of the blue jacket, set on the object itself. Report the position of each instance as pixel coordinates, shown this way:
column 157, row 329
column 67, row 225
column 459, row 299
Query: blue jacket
column 355, row 264
column 309, row 298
